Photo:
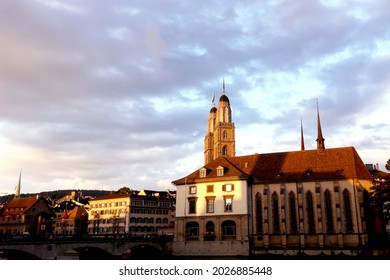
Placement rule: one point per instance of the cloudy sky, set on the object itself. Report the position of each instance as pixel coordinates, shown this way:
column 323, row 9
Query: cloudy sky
column 105, row 94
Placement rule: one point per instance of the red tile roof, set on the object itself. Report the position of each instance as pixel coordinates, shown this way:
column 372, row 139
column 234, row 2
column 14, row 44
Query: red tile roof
column 18, row 206
column 308, row 165
column 78, row 213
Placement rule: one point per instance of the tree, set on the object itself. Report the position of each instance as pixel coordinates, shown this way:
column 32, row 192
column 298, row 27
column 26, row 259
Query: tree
column 124, row 190
column 388, row 165
column 378, row 198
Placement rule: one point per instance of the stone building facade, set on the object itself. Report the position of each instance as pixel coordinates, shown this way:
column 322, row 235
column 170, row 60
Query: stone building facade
column 307, row 201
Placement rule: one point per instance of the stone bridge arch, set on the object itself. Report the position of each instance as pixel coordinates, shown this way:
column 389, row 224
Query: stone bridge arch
column 120, row 249
column 15, row 254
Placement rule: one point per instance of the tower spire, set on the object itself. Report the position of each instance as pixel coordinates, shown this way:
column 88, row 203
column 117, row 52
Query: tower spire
column 223, row 86
column 302, row 139
column 320, row 139
column 18, row 187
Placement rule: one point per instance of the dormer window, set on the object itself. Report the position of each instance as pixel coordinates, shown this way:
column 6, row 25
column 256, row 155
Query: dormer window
column 220, row 171
column 202, row 172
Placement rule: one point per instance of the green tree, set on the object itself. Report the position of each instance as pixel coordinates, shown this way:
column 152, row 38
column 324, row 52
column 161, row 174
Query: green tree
column 124, row 190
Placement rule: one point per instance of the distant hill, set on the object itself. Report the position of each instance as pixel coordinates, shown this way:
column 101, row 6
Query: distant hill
column 55, row 195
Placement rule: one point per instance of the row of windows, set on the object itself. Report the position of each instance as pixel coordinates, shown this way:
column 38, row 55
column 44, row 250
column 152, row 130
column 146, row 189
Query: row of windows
column 210, row 201
column 148, row 220
column 148, row 203
column 132, row 220
column 109, row 204
column 293, row 216
column 228, row 231
column 107, row 221
column 15, row 209
column 149, row 211
column 110, row 211
column 210, row 188
column 64, row 224
column 11, row 218
column 132, row 229
column 97, row 230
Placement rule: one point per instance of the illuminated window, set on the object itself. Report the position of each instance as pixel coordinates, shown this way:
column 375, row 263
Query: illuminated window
column 228, row 188
column 220, row 171
column 192, row 189
column 228, row 203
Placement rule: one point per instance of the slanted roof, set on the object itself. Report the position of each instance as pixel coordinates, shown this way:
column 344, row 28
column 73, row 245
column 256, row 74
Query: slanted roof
column 19, row 206
column 298, row 166
column 78, row 213
column 111, row 196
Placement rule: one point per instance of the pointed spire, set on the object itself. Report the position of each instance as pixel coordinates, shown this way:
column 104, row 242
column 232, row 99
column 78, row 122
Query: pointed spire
column 302, row 139
column 320, row 139
column 18, row 187
column 223, row 86
column 213, row 99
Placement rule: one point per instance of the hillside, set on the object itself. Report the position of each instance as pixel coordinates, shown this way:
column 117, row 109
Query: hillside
column 57, row 194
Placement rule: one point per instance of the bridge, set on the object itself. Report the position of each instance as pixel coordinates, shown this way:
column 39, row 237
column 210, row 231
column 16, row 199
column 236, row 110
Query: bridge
column 103, row 248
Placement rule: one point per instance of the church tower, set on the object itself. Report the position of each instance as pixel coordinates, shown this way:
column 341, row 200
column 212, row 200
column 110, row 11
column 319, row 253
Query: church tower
column 220, row 138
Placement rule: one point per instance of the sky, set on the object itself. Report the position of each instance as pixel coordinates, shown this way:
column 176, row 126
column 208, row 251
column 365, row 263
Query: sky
column 106, row 94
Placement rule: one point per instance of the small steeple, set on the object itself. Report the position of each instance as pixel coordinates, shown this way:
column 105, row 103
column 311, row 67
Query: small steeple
column 223, row 86
column 320, row 139
column 302, row 139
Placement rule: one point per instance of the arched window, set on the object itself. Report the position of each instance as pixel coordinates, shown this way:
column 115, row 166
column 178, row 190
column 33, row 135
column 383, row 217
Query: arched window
column 293, row 213
column 210, row 231
column 192, row 231
column 347, row 211
column 146, row 220
column 228, row 230
column 139, row 220
column 133, row 220
column 329, row 212
column 259, row 214
column 158, row 220
column 310, row 212
column 225, row 135
column 225, row 151
column 275, row 212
